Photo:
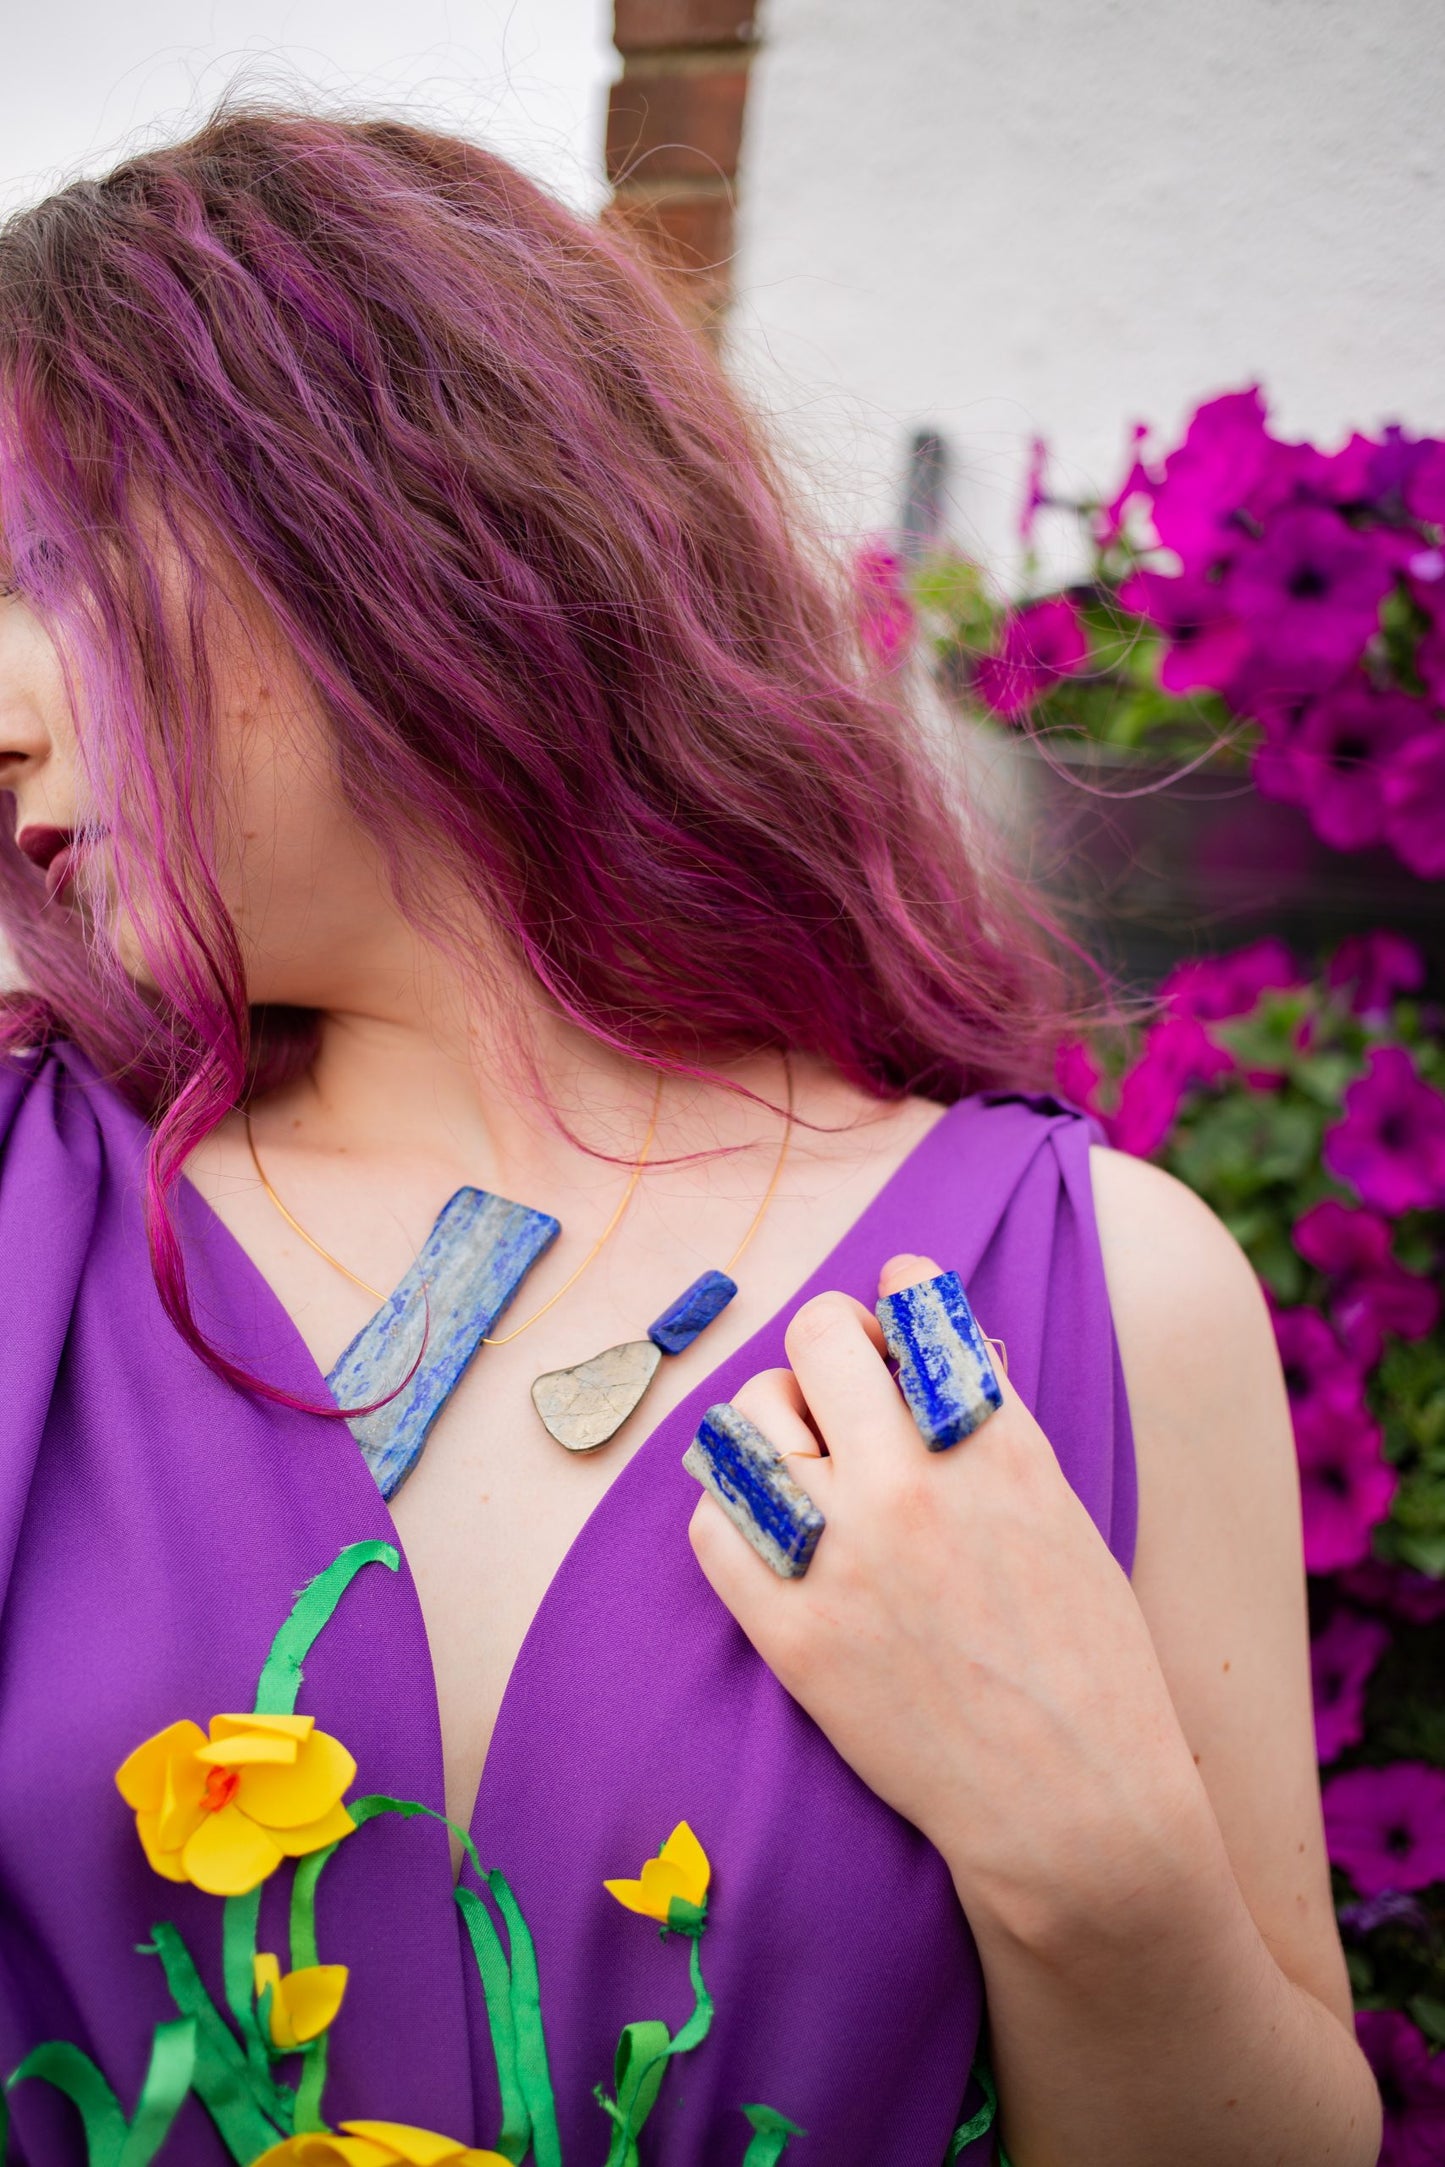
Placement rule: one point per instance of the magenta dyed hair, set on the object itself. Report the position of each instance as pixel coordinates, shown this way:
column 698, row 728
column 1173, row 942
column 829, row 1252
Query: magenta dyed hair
column 538, row 562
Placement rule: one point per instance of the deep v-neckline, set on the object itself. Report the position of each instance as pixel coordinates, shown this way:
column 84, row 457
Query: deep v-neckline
column 279, row 1327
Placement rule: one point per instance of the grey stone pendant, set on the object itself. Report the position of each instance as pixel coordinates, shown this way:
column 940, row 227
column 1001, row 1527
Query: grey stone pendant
column 582, row 1407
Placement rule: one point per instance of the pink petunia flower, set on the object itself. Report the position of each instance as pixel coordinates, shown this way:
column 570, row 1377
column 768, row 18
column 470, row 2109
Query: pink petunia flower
column 1390, row 1146
column 1425, row 485
column 885, row 613
column 1386, row 1826
column 1371, row 1292
column 1309, row 592
column 1138, row 484
column 1346, row 1485
column 1211, row 477
column 1341, row 1660
column 1036, row 495
column 1376, row 968
column 1412, row 2087
column 1396, row 1588
column 1077, row 1073
column 1041, row 643
column 1177, row 1053
column 1215, row 988
column 1206, row 647
column 1414, row 804
column 1342, row 752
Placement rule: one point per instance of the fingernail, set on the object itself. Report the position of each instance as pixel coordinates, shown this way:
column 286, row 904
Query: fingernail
column 944, row 1369
column 743, row 1470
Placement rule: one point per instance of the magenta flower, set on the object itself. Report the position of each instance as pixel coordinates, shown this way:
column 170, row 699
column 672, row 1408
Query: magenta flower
column 1386, row 1826
column 1214, row 988
column 1414, row 795
column 1036, row 495
column 1412, row 2088
column 1316, row 1365
column 1077, row 1073
column 1424, row 488
column 1137, row 483
column 1177, row 1053
column 1309, row 592
column 1041, row 643
column 884, row 610
column 1346, row 1485
column 1341, row 1660
column 1206, row 647
column 1224, row 457
column 1371, row 1293
column 1390, row 1146
column 1342, row 751
column 1397, row 1588
column 1376, row 967
column 1430, row 661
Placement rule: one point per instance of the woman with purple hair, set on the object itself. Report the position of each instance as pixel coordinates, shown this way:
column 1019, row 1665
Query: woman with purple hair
column 460, row 847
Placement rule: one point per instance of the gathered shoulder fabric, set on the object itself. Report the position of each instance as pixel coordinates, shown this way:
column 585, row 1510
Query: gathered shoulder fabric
column 157, row 1525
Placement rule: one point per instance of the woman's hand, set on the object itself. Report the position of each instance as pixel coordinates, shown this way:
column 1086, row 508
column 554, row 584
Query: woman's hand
column 964, row 1637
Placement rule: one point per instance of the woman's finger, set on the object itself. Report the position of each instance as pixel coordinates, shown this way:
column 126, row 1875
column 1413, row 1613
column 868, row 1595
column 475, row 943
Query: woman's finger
column 835, row 1347
column 773, row 1399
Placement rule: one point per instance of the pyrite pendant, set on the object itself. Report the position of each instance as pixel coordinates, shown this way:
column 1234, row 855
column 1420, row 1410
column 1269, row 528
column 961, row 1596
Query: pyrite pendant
column 585, row 1405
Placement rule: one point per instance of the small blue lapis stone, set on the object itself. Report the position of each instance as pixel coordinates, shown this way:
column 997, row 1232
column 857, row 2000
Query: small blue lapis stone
column 943, row 1361
column 692, row 1312
column 744, row 1471
column 471, row 1264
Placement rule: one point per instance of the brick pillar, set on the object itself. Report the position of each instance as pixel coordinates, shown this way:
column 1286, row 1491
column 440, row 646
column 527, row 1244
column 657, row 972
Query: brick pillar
column 674, row 131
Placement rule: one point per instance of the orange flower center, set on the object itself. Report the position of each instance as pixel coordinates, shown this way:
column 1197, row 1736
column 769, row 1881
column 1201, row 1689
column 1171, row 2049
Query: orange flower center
column 220, row 1788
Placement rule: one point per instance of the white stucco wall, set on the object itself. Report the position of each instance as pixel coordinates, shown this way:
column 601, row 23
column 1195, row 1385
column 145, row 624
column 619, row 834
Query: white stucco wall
column 83, row 80
column 998, row 217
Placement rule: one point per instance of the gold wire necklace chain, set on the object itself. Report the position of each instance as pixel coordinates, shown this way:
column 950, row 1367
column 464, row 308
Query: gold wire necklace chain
column 634, row 1177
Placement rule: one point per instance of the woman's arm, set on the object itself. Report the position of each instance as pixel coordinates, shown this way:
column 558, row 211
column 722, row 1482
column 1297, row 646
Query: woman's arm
column 1133, row 1830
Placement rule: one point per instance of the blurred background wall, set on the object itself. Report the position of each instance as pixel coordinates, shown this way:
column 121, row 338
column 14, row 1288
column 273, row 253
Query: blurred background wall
column 1006, row 217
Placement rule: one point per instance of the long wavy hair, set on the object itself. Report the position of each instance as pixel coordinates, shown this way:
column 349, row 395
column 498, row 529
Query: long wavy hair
column 574, row 642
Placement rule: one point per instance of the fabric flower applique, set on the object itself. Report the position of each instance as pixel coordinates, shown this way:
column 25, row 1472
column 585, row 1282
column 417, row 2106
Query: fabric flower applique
column 672, row 1887
column 302, row 2003
column 224, row 1811
column 377, row 2144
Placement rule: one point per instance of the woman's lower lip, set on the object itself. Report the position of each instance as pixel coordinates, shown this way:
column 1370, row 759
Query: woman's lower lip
column 58, row 872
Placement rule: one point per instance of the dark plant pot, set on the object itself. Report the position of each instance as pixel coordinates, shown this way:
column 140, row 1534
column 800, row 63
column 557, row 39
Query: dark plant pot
column 1164, row 865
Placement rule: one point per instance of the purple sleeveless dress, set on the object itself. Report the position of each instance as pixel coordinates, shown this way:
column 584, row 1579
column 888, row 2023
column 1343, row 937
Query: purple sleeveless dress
column 155, row 1525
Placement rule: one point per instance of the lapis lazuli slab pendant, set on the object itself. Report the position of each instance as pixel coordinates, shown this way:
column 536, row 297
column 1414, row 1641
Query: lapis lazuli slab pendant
column 745, row 1472
column 692, row 1312
column 471, row 1264
column 943, row 1361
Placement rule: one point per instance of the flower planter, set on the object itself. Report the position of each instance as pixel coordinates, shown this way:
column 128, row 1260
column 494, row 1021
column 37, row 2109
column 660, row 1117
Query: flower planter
column 1163, row 865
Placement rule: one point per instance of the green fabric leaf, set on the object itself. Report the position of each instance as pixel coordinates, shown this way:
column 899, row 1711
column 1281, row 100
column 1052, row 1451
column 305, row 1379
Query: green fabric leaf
column 639, row 2067
column 167, row 2082
column 515, row 2136
column 70, row 2071
column 250, row 2111
column 533, row 2071
column 280, row 1679
column 772, row 2134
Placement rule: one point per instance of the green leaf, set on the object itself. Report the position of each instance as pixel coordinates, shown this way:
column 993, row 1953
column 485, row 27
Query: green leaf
column 772, row 2134
column 70, row 2071
column 250, row 2110
column 1429, row 2014
column 280, row 1679
column 167, row 2082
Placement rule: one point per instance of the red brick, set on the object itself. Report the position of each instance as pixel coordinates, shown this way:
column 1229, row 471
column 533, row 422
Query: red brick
column 686, row 125
column 649, row 26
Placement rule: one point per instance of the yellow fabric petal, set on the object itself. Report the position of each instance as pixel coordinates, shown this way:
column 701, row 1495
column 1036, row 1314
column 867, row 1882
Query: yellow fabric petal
column 297, row 1727
column 183, row 1794
column 266, row 1972
column 417, row 2147
column 651, row 1894
column 242, row 1751
column 311, row 1998
column 141, row 1776
column 164, row 1862
column 295, row 1843
column 291, row 1797
column 683, row 1851
column 229, row 1855
column 326, row 2151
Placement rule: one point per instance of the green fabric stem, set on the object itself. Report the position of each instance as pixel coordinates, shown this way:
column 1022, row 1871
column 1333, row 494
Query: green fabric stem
column 772, row 2134
column 980, row 2122
column 280, row 1679
column 533, row 2070
column 643, row 2053
column 111, row 2141
column 515, row 2137
column 250, row 2111
column 240, row 1919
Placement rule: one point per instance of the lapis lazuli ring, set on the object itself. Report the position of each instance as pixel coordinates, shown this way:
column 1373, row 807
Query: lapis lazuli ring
column 947, row 1379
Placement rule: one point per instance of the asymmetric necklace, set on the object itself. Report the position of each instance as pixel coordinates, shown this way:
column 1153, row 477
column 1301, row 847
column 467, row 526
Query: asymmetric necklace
column 476, row 1256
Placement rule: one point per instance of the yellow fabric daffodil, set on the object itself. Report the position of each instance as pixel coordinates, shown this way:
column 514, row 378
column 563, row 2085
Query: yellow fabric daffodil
column 223, row 1812
column 673, row 1887
column 303, row 2002
column 376, row 2144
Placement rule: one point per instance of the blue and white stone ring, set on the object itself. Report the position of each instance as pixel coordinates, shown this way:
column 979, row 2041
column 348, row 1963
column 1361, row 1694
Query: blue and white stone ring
column 946, row 1377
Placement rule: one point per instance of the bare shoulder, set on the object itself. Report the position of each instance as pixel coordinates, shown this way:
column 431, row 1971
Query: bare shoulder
column 1218, row 1568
